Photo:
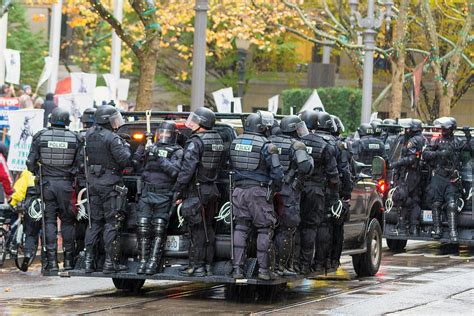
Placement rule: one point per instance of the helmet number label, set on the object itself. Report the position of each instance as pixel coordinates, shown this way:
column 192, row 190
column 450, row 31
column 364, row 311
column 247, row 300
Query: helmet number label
column 162, row 153
column 309, row 150
column 217, row 147
column 58, row 145
column 242, row 147
column 374, row 146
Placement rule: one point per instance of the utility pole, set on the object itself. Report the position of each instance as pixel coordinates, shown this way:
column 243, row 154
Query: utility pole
column 198, row 84
column 55, row 43
column 116, row 42
column 3, row 45
column 370, row 24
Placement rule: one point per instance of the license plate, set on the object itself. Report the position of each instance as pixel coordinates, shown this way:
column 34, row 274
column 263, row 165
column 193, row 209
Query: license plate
column 427, row 216
column 172, row 243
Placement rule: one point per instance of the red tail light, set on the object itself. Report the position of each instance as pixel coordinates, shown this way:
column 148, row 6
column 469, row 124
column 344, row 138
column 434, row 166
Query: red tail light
column 382, row 186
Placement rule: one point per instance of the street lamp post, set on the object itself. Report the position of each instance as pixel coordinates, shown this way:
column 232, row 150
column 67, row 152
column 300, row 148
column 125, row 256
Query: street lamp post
column 242, row 48
column 370, row 24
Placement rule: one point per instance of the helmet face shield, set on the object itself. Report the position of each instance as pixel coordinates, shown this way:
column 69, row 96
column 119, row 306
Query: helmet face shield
column 166, row 136
column 267, row 118
column 116, row 120
column 301, row 129
column 193, row 121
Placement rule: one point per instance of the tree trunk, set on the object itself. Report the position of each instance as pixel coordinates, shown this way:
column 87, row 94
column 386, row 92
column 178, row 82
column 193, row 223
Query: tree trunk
column 146, row 81
column 398, row 64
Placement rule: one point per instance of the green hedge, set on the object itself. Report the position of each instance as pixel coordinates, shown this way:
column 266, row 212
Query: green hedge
column 346, row 103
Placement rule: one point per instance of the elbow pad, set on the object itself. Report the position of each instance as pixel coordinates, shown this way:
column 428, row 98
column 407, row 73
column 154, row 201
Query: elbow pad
column 301, row 156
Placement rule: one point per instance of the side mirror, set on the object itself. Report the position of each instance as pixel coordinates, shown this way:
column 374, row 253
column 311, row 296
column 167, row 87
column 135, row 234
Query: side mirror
column 379, row 168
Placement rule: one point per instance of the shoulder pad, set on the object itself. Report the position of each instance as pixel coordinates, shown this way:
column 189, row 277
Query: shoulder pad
column 297, row 145
column 327, row 137
column 272, row 149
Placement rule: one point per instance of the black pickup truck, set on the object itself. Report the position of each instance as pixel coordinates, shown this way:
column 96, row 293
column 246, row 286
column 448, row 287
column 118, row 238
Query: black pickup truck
column 465, row 222
column 362, row 238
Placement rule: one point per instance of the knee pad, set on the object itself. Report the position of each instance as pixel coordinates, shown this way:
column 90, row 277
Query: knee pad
column 437, row 206
column 143, row 225
column 266, row 231
column 451, row 206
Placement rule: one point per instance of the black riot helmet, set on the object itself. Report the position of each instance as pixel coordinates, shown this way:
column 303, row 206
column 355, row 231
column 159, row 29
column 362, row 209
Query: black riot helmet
column 365, row 129
column 376, row 126
column 259, row 122
column 59, row 117
column 167, row 133
column 276, row 130
column 447, row 125
column 293, row 125
column 325, row 122
column 202, row 117
column 416, row 126
column 109, row 117
column 88, row 118
column 310, row 118
column 339, row 126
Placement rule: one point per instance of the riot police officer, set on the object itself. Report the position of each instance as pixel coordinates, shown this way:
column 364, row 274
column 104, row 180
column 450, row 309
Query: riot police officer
column 389, row 134
column 258, row 175
column 320, row 190
column 54, row 158
column 407, row 178
column 107, row 155
column 203, row 155
column 368, row 146
column 343, row 159
column 162, row 163
column 375, row 123
column 296, row 164
column 446, row 184
column 88, row 118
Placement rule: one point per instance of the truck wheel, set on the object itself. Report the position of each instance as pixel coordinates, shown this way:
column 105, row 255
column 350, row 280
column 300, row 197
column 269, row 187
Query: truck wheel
column 396, row 245
column 131, row 285
column 367, row 264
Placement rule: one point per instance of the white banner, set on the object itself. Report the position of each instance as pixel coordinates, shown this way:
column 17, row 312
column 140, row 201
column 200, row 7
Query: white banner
column 273, row 104
column 12, row 66
column 237, row 105
column 123, row 85
column 313, row 103
column 223, row 97
column 111, row 84
column 101, row 95
column 75, row 105
column 23, row 125
column 83, row 83
column 47, row 70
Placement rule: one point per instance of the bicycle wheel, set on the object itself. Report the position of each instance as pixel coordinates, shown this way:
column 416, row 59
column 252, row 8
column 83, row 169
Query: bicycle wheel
column 3, row 248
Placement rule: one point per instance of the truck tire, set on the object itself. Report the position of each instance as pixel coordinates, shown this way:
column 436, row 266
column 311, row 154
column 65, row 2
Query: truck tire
column 131, row 285
column 396, row 245
column 368, row 263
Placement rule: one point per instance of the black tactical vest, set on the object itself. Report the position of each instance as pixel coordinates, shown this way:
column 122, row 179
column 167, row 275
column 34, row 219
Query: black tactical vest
column 211, row 158
column 315, row 146
column 162, row 150
column 58, row 147
column 246, row 152
column 450, row 163
column 370, row 147
column 98, row 153
column 284, row 145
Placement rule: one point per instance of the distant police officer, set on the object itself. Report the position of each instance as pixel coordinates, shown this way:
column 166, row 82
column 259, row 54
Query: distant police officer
column 323, row 182
column 162, row 163
column 54, row 158
column 195, row 184
column 297, row 164
column 389, row 134
column 343, row 159
column 446, row 183
column 107, row 155
column 367, row 147
column 407, row 178
column 258, row 175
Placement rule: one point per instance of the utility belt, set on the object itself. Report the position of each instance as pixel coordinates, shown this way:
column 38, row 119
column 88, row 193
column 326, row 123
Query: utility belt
column 99, row 170
column 65, row 178
column 247, row 183
column 155, row 188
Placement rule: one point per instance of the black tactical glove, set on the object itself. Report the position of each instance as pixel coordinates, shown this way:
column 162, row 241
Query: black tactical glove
column 467, row 131
column 276, row 186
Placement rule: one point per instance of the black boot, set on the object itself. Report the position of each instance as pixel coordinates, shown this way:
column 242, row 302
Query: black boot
column 413, row 230
column 89, row 261
column 154, row 263
column 44, row 261
column 436, row 233
column 68, row 260
column 209, row 270
column 265, row 275
column 453, row 232
column 194, row 271
column 143, row 243
column 52, row 258
column 237, row 273
column 110, row 266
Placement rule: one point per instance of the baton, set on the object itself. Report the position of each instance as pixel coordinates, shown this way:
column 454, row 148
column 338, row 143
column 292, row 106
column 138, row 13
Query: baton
column 86, row 176
column 148, row 129
column 43, row 220
column 231, row 173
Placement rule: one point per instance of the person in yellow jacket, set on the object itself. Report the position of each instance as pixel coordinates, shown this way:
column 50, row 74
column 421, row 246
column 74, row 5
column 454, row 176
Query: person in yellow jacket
column 25, row 192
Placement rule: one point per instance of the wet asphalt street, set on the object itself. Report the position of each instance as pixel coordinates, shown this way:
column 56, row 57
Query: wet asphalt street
column 426, row 279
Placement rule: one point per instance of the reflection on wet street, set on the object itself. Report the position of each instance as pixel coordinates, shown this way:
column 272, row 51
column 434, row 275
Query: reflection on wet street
column 402, row 278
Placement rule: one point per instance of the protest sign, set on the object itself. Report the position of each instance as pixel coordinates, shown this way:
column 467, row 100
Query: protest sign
column 83, row 83
column 12, row 66
column 23, row 125
column 223, row 97
column 6, row 105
